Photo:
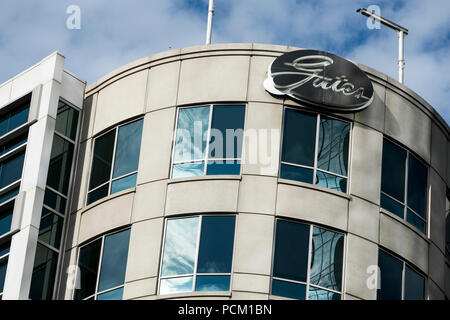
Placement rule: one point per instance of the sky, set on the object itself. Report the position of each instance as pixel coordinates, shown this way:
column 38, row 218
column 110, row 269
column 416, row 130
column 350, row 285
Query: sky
column 115, row 32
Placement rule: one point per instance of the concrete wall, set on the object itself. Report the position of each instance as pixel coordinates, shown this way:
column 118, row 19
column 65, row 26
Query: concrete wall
column 155, row 86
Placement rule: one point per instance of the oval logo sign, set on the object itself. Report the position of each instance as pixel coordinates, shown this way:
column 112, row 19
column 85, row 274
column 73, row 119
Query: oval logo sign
column 320, row 79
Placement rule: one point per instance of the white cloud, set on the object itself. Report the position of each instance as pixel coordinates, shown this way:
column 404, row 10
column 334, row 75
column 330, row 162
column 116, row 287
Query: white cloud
column 115, row 32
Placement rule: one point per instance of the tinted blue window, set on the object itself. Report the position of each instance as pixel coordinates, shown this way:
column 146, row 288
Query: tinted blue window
column 101, row 164
column 50, row 229
column 124, row 183
column 192, row 128
column 333, row 146
column 415, row 221
column 14, row 119
column 212, row 283
column 114, row 260
column 60, row 165
column 291, row 251
column 175, row 285
column 66, row 121
column 190, row 169
column 223, row 167
column 216, row 244
column 116, row 294
column 331, row 181
column 391, row 277
column 299, row 137
column 98, row 193
column 88, row 262
column 288, row 289
column 9, row 195
column 414, row 285
column 296, row 173
column 227, row 124
column 55, row 201
column 44, row 273
column 3, row 266
column 320, row 294
column 417, row 186
column 5, row 220
column 392, row 206
column 11, row 170
column 12, row 144
column 128, row 149
column 393, row 170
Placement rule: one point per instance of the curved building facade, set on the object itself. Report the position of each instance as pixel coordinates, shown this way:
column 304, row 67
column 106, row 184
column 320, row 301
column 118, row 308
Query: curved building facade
column 191, row 181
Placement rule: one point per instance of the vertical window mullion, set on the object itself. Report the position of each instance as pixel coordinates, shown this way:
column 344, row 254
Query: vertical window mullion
column 113, row 160
column 199, row 230
column 308, row 270
column 405, row 200
column 403, row 280
column 99, row 267
column 208, row 138
column 316, row 148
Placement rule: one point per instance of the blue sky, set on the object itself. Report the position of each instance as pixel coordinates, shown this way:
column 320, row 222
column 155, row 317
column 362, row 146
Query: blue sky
column 115, row 32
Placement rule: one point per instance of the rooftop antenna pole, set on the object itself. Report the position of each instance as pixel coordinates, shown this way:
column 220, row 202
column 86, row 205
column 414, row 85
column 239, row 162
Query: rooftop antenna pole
column 401, row 32
column 210, row 17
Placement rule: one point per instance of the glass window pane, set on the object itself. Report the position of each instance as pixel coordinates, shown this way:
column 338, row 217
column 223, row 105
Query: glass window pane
column 299, row 137
column 291, row 250
column 116, row 294
column 296, row 173
column 66, row 121
column 393, row 170
column 288, row 289
column 114, row 260
column 333, row 146
column 60, row 165
column 415, row 220
column 4, row 248
column 331, row 181
column 5, row 220
column 54, row 201
column 392, row 206
column 212, row 283
column 417, row 186
column 327, row 259
column 391, row 277
column 216, row 244
column 9, row 195
column 227, row 131
column 18, row 117
column 128, row 149
column 191, row 135
column 101, row 164
column 3, row 267
column 11, row 170
column 414, row 285
column 12, row 144
column 124, row 183
column 191, row 169
column 175, row 285
column 223, row 167
column 319, row 294
column 180, row 246
column 88, row 262
column 97, row 194
column 44, row 272
column 50, row 229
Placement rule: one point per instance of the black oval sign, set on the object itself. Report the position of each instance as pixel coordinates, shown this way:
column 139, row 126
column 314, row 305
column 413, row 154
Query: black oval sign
column 321, row 79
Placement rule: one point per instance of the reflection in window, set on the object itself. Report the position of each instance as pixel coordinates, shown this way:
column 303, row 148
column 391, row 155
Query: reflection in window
column 14, row 119
column 397, row 280
column 307, row 262
column 44, row 273
column 3, row 267
column 6, row 214
column 11, row 169
column 204, row 146
column 102, row 272
column 404, row 185
column 315, row 149
column 197, row 262
column 115, row 161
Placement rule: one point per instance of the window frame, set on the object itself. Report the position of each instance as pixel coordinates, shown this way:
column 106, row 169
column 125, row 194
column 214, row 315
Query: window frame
column 99, row 268
column 316, row 149
column 4, row 259
column 405, row 202
column 194, row 274
column 113, row 160
column 307, row 284
column 404, row 265
column 206, row 158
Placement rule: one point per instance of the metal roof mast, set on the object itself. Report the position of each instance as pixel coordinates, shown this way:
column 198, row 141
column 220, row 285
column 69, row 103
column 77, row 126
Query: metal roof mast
column 402, row 32
column 209, row 25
